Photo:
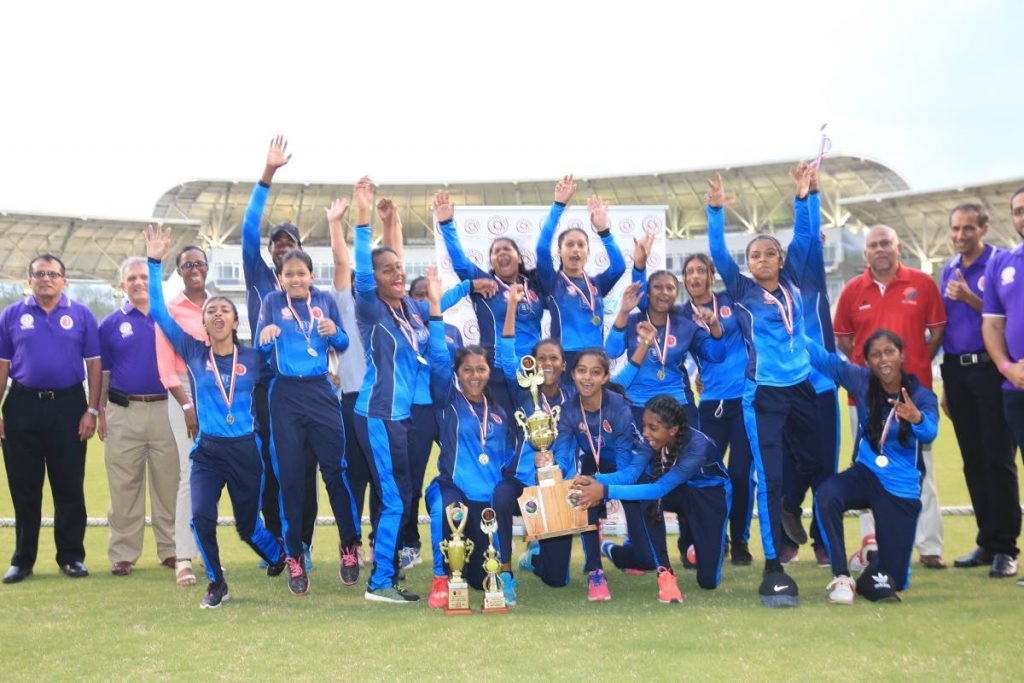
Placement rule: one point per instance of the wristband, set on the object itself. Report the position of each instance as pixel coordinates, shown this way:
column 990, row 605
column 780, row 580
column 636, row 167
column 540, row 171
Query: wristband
column 186, row 406
column 1006, row 364
column 92, row 411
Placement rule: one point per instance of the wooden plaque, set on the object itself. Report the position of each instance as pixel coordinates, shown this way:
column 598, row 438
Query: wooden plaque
column 546, row 509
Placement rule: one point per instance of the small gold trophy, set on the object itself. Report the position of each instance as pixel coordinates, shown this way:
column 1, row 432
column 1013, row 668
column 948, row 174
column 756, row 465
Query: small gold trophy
column 494, row 596
column 456, row 552
column 547, row 509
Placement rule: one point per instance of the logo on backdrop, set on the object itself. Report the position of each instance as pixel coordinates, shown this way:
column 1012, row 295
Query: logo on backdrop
column 523, row 225
column 497, row 225
column 627, row 226
column 472, row 226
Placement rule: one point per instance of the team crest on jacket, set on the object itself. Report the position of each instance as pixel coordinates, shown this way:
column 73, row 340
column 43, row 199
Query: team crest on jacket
column 125, row 329
column 240, row 369
column 671, row 340
column 725, row 312
column 1007, row 275
column 67, row 322
column 981, row 283
column 286, row 314
column 497, row 419
column 607, row 426
column 27, row 321
column 318, row 313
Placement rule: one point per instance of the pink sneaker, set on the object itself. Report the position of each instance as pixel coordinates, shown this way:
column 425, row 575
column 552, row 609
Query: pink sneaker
column 438, row 598
column 597, row 590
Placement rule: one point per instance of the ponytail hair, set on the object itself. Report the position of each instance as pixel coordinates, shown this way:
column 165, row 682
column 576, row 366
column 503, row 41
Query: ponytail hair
column 878, row 399
column 672, row 414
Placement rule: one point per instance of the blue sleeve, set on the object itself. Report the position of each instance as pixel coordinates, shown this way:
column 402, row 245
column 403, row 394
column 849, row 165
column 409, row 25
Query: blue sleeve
column 440, row 363
column 928, row 405
column 463, row 267
column 546, row 274
column 565, row 446
column 266, row 318
column 641, row 277
column 706, row 347
column 631, row 472
column 814, row 216
column 627, row 374
column 686, row 467
column 615, row 342
column 456, row 294
column 184, row 344
column 726, row 266
column 850, row 376
column 339, row 340
column 505, row 361
column 623, row 439
column 616, row 264
column 800, row 246
column 252, row 261
column 365, row 283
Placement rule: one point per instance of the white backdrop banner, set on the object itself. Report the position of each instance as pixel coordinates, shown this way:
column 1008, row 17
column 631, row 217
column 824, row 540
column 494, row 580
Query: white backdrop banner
column 478, row 226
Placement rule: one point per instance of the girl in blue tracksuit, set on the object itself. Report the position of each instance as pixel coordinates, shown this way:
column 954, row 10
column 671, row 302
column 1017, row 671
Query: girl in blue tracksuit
column 574, row 299
column 595, row 434
column 721, row 399
column 476, row 443
column 676, row 469
column 660, row 367
column 778, row 398
column 897, row 413
column 227, row 453
column 521, row 471
column 297, row 327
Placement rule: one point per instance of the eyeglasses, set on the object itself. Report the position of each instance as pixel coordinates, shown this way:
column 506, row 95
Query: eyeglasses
column 1018, row 212
column 47, row 275
column 193, row 265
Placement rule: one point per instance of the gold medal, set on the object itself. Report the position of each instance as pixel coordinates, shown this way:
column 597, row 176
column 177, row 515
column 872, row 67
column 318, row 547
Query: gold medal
column 882, row 461
column 230, row 419
column 311, row 351
column 596, row 320
column 483, row 459
column 661, row 374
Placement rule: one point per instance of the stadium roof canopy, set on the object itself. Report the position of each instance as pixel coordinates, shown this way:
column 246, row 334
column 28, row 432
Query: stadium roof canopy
column 763, row 197
column 922, row 218
column 91, row 248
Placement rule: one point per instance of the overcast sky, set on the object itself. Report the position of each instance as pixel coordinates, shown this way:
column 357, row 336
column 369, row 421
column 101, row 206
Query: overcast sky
column 105, row 106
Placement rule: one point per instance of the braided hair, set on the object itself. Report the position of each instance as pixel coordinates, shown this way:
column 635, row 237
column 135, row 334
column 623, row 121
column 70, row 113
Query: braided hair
column 672, row 414
column 878, row 399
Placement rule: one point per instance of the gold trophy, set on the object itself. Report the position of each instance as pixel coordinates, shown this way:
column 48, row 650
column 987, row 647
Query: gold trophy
column 494, row 596
column 547, row 509
column 456, row 552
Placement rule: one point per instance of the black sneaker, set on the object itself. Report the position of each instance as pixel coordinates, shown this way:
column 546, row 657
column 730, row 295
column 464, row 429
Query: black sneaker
column 1003, row 566
column 391, row 594
column 216, row 593
column 778, row 589
column 278, row 567
column 741, row 556
column 793, row 524
column 348, row 571
column 298, row 579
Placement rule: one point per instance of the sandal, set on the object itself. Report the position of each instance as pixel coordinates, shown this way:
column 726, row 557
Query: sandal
column 184, row 575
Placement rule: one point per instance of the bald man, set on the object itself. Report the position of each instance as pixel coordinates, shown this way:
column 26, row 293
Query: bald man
column 891, row 296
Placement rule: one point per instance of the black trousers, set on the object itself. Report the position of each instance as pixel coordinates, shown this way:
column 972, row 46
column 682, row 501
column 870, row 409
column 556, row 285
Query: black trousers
column 270, row 504
column 41, row 438
column 1013, row 409
column 359, row 477
column 975, row 400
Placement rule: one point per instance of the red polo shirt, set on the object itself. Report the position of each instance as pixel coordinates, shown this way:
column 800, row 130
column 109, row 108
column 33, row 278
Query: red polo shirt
column 907, row 306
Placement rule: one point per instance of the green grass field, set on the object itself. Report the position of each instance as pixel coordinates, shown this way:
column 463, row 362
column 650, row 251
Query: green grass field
column 952, row 625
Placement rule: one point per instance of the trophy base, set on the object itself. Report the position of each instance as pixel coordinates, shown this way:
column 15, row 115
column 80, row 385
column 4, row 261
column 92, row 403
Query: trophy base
column 547, row 512
column 458, row 599
column 560, row 532
column 494, row 603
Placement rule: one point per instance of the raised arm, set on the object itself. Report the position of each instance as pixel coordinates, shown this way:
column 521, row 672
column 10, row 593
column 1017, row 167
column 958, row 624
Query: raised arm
column 616, row 264
column 546, row 272
column 615, row 342
column 724, row 262
column 391, row 226
column 158, row 241
column 252, row 261
column 444, row 212
column 798, row 252
column 339, row 248
column 366, row 284
column 441, row 370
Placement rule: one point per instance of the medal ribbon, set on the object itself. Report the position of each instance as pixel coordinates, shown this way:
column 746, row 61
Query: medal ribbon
column 592, row 301
column 787, row 318
column 405, row 327
column 596, row 451
column 228, row 396
column 547, row 406
column 519, row 278
column 483, row 422
column 888, row 425
column 700, row 321
column 662, row 351
column 298, row 321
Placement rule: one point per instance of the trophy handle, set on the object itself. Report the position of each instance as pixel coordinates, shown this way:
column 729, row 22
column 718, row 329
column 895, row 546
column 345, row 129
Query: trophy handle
column 521, row 418
column 469, row 548
column 556, row 412
column 443, row 547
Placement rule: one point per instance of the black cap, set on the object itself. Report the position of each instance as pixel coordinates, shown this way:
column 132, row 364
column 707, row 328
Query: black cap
column 292, row 231
column 876, row 585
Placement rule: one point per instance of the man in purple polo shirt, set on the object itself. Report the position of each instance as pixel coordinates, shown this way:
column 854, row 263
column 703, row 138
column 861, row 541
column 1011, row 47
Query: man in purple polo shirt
column 1003, row 323
column 46, row 419
column 973, row 400
column 135, row 425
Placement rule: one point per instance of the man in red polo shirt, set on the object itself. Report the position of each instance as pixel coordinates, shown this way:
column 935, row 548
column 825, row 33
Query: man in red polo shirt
column 905, row 301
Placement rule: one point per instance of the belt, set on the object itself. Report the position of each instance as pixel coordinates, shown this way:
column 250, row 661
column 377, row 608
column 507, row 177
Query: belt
column 970, row 358
column 46, row 394
column 147, row 398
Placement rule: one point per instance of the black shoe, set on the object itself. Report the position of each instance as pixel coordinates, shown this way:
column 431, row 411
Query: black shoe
column 793, row 524
column 16, row 574
column 75, row 570
column 741, row 556
column 216, row 593
column 348, row 570
column 278, row 567
column 976, row 558
column 778, row 589
column 1003, row 566
column 298, row 579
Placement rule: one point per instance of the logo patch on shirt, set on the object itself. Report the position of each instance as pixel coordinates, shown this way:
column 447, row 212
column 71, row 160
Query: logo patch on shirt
column 286, row 314
column 981, row 283
column 449, row 339
column 125, row 329
column 864, row 306
column 725, row 312
column 66, row 322
column 240, row 369
column 671, row 340
column 1005, row 277
column 318, row 312
column 497, row 420
column 27, row 321
column 607, row 426
column 910, row 296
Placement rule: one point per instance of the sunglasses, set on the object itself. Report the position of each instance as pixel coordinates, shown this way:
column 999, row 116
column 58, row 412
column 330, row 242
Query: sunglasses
column 193, row 265
column 47, row 275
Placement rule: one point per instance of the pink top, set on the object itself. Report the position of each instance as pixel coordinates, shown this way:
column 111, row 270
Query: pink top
column 190, row 317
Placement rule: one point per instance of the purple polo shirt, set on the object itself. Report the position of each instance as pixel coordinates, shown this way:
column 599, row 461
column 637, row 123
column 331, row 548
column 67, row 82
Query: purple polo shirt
column 963, row 323
column 1004, row 298
column 128, row 350
column 46, row 350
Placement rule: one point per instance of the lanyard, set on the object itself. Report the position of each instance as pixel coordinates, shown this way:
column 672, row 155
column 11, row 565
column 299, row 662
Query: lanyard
column 700, row 321
column 662, row 351
column 591, row 302
column 483, row 423
column 298, row 321
column 787, row 318
column 228, row 396
column 547, row 406
column 526, row 287
column 888, row 425
column 405, row 327
column 595, row 450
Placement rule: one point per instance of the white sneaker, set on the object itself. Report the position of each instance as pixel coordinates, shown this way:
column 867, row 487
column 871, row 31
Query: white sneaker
column 863, row 557
column 841, row 590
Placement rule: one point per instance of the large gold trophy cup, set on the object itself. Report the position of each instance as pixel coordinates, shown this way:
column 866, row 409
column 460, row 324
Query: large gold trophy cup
column 456, row 552
column 546, row 507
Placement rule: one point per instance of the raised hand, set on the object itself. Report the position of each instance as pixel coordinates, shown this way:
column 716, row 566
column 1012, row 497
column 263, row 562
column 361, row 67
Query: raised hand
column 516, row 293
column 337, row 210
column 957, row 288
column 386, row 210
column 630, row 297
column 813, row 173
column 434, row 287
column 158, row 241
column 646, row 333
column 716, row 196
column 269, row 334
column 801, row 175
column 443, row 208
column 362, row 199
column 905, row 408
column 565, row 189
column 642, row 249
column 598, row 213
column 277, row 155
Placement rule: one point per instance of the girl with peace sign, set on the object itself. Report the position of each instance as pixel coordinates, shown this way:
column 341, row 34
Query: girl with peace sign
column 897, row 413
column 224, row 375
